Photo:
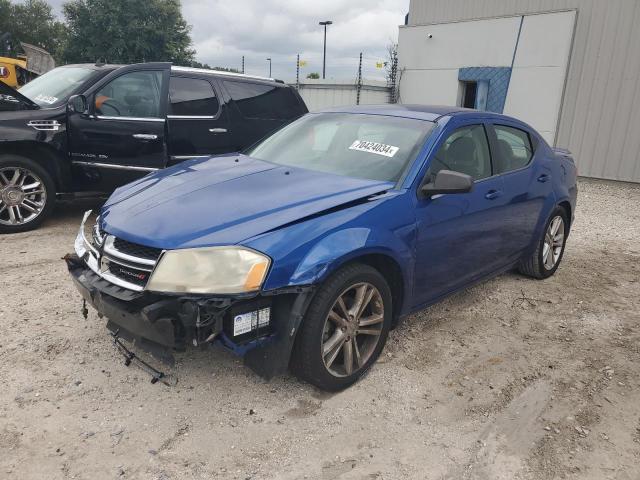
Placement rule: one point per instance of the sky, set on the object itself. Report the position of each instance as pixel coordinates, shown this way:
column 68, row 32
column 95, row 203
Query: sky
column 225, row 30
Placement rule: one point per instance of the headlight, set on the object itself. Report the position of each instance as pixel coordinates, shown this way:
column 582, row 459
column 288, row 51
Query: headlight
column 210, row 270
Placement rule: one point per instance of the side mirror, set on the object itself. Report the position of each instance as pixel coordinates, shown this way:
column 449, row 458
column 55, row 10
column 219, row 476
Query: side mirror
column 78, row 104
column 447, row 181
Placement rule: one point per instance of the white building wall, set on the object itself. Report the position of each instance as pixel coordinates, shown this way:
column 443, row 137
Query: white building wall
column 540, row 71
column 429, row 65
column 600, row 108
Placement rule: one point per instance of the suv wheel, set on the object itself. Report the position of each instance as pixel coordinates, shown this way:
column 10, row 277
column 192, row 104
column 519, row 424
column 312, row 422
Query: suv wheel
column 27, row 194
column 345, row 328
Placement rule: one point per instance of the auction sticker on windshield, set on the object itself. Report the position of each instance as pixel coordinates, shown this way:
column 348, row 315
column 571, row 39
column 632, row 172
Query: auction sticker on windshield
column 374, row 147
column 46, row 99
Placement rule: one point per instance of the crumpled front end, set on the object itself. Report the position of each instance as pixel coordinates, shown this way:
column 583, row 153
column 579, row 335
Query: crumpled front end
column 111, row 275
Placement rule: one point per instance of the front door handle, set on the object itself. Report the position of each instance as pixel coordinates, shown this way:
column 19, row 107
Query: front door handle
column 218, row 130
column 544, row 178
column 145, row 136
column 493, row 194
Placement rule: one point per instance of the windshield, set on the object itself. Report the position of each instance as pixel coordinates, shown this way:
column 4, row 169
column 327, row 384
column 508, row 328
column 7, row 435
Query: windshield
column 375, row 147
column 56, row 86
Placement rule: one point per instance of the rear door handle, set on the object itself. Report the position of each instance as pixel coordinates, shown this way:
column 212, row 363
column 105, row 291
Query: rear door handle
column 544, row 178
column 493, row 194
column 218, row 130
column 145, row 136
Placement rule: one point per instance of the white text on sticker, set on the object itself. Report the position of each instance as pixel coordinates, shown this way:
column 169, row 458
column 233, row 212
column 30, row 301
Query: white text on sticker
column 374, row 147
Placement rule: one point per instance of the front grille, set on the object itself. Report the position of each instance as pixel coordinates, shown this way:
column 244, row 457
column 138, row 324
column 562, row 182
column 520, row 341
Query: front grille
column 97, row 236
column 128, row 274
column 136, row 250
column 125, row 264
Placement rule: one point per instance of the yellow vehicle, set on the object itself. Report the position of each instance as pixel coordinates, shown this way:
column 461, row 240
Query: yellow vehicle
column 13, row 71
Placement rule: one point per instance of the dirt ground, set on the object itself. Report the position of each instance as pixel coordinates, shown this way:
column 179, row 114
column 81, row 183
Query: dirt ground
column 512, row 379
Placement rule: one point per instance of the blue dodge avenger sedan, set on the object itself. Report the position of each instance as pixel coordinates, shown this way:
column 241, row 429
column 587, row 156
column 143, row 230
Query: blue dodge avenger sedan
column 303, row 251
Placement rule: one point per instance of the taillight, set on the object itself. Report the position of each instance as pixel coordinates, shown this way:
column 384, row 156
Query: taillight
column 4, row 72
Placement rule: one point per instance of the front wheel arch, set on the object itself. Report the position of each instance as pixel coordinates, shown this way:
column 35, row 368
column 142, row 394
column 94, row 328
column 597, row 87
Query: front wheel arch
column 388, row 267
column 56, row 165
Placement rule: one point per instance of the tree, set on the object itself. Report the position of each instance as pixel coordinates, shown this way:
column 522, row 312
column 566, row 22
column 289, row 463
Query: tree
column 313, row 76
column 127, row 31
column 30, row 22
column 196, row 64
column 392, row 57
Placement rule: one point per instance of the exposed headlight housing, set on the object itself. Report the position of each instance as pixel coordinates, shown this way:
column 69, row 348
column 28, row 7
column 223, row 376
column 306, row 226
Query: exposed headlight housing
column 212, row 270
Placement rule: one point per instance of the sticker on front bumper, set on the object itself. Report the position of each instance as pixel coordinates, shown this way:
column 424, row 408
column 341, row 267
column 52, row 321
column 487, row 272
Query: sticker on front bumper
column 244, row 323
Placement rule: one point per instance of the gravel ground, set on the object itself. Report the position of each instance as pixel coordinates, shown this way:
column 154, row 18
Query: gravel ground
column 512, row 379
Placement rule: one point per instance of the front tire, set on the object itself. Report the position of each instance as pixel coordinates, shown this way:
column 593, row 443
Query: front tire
column 27, row 194
column 344, row 329
column 550, row 248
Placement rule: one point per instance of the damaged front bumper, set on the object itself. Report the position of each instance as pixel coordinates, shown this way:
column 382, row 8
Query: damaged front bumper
column 260, row 327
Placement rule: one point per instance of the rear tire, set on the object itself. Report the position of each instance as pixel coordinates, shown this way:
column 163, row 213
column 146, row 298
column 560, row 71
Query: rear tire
column 549, row 251
column 27, row 194
column 336, row 316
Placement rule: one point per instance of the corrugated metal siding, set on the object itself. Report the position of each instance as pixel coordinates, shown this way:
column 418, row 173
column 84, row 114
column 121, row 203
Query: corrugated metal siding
column 600, row 117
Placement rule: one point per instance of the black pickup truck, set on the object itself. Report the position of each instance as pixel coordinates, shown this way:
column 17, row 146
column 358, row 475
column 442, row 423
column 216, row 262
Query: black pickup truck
column 83, row 130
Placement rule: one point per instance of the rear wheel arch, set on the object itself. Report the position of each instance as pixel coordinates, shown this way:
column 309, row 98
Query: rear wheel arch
column 567, row 208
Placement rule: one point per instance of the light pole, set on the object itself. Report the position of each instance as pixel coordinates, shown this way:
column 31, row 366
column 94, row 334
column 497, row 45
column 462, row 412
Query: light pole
column 269, row 60
column 324, row 54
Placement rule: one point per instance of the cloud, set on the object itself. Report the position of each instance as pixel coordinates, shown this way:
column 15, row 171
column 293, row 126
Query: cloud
column 223, row 31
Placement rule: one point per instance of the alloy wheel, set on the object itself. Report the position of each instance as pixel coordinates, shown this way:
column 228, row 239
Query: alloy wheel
column 553, row 243
column 22, row 196
column 352, row 329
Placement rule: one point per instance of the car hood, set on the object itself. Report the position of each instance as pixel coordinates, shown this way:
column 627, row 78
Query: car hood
column 15, row 96
column 225, row 200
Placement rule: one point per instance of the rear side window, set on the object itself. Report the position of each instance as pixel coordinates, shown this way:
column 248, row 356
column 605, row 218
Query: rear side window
column 192, row 97
column 257, row 100
column 514, row 147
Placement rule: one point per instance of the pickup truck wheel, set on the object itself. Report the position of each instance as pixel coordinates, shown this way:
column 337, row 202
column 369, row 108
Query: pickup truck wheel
column 550, row 248
column 345, row 328
column 27, row 194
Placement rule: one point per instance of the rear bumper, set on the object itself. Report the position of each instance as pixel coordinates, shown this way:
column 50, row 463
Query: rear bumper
column 161, row 324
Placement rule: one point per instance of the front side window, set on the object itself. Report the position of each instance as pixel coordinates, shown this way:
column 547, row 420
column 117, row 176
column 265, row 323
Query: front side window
column 466, row 151
column 135, row 94
column 192, row 97
column 374, row 147
column 514, row 147
column 56, row 86
column 257, row 100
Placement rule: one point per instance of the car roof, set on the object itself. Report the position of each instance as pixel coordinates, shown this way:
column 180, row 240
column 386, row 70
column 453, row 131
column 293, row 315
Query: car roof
column 419, row 112
column 93, row 66
column 175, row 68
column 205, row 71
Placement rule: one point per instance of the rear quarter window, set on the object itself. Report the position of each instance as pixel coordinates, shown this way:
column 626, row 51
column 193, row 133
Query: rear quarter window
column 515, row 149
column 256, row 100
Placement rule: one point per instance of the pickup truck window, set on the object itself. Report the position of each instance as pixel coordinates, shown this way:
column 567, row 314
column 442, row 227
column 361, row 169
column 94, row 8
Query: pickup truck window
column 192, row 97
column 256, row 100
column 135, row 94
